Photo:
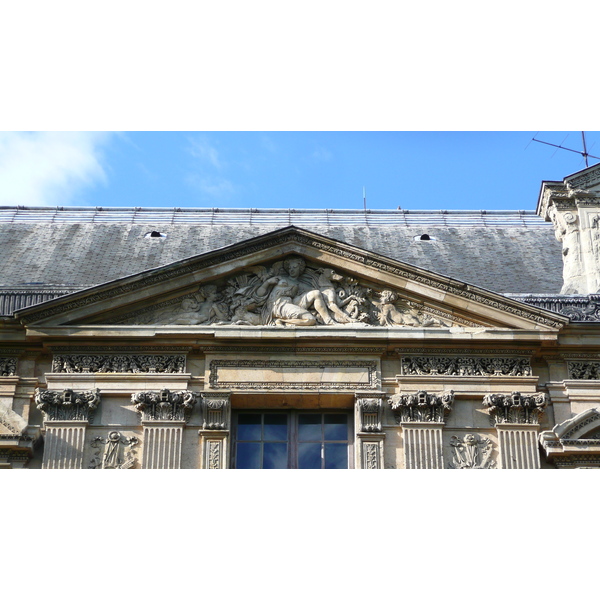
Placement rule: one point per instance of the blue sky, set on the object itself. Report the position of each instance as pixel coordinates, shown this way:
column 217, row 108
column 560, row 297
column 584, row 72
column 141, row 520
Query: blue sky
column 414, row 170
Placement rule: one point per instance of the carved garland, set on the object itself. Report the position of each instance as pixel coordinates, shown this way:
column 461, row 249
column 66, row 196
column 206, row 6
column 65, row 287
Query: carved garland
column 166, row 274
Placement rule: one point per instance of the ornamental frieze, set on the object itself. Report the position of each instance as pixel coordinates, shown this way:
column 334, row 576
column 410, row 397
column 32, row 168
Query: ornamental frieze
column 118, row 363
column 516, row 407
column 421, row 406
column 466, row 366
column 67, row 405
column 290, row 293
column 584, row 369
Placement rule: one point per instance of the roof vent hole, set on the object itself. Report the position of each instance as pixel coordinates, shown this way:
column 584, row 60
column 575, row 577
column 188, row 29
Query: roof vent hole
column 425, row 237
column 155, row 234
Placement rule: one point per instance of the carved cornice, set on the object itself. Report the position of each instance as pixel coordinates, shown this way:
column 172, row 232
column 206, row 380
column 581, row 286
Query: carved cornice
column 465, row 351
column 516, row 407
column 580, row 308
column 466, row 366
column 8, row 366
column 165, row 405
column 471, row 452
column 118, row 363
column 369, row 408
column 118, row 349
column 291, row 235
column 67, row 405
column 215, row 410
column 421, row 407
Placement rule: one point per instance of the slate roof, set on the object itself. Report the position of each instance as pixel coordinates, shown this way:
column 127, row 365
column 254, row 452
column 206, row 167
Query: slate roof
column 53, row 251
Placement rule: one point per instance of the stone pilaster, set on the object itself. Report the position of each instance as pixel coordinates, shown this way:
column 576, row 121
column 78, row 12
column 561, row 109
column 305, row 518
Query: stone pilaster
column 516, row 418
column 214, row 435
column 66, row 416
column 422, row 416
column 369, row 432
column 164, row 415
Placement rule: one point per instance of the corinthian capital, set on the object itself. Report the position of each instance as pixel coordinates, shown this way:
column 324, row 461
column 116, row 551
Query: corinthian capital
column 164, row 405
column 421, row 406
column 516, row 407
column 67, row 405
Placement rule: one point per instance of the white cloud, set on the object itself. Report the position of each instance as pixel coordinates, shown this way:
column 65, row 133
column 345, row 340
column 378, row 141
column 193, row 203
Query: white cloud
column 322, row 154
column 49, row 168
column 201, row 148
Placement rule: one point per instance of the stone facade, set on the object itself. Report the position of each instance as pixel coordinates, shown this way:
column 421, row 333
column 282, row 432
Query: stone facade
column 295, row 350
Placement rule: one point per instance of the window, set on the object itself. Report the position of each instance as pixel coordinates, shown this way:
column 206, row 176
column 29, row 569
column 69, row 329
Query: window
column 292, row 440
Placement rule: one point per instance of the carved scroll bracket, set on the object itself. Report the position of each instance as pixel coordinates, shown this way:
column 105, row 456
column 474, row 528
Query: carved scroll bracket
column 421, row 407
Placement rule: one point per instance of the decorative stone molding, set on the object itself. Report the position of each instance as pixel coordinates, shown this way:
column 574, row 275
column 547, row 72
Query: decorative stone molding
column 575, row 442
column 370, row 450
column 516, row 407
column 579, row 308
column 369, row 409
column 118, row 363
column 421, row 407
column 8, row 366
column 216, row 409
column 471, row 452
column 164, row 405
column 14, row 457
column 67, row 405
column 294, row 236
column 113, row 458
column 268, row 349
column 460, row 366
column 249, row 374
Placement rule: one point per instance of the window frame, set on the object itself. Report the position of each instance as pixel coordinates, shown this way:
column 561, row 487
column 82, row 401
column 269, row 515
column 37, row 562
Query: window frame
column 293, row 441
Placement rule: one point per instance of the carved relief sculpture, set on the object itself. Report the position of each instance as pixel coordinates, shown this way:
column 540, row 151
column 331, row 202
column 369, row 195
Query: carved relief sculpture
column 471, row 452
column 8, row 366
column 215, row 410
column 289, row 293
column 113, row 457
column 421, row 406
column 164, row 405
column 370, row 409
column 67, row 405
column 516, row 407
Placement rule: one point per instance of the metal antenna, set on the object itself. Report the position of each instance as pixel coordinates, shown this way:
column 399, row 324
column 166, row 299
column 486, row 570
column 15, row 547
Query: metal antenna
column 364, row 199
column 584, row 153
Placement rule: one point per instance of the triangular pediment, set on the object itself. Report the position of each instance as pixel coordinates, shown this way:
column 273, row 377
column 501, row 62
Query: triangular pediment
column 290, row 277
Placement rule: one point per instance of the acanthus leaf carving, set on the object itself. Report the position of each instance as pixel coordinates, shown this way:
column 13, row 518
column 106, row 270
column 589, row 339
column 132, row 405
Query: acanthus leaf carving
column 164, row 405
column 516, row 407
column 421, row 406
column 369, row 407
column 8, row 366
column 67, row 405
